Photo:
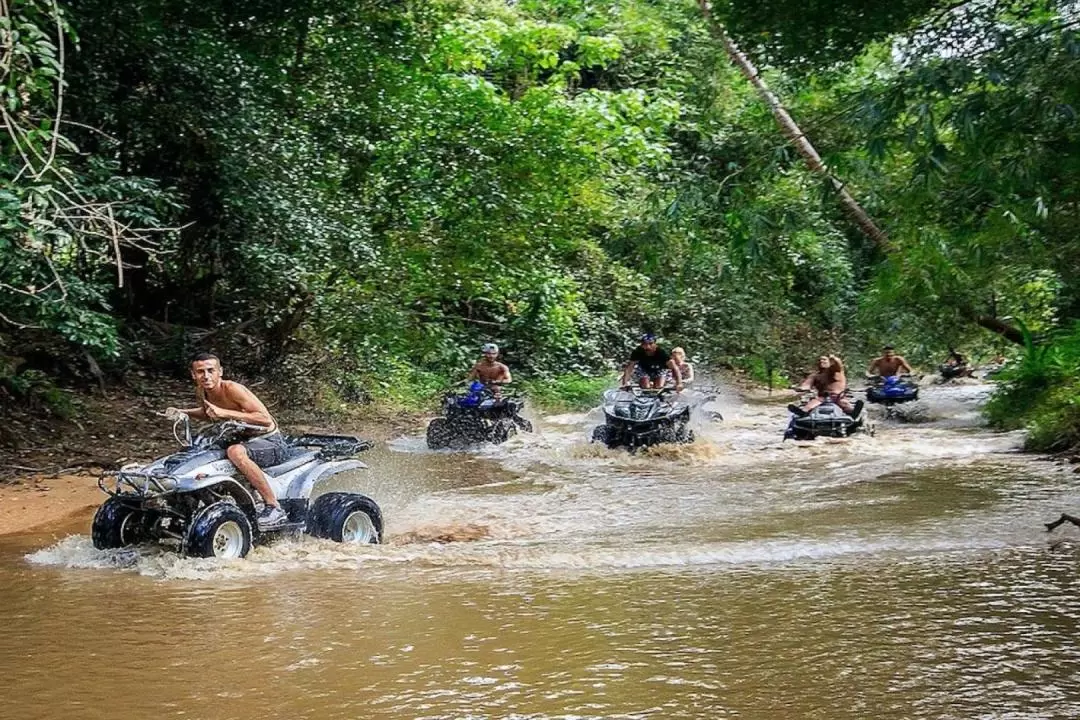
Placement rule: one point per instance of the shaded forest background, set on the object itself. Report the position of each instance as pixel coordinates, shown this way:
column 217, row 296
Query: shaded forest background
column 360, row 193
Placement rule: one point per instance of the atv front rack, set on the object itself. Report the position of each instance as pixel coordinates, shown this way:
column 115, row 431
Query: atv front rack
column 138, row 483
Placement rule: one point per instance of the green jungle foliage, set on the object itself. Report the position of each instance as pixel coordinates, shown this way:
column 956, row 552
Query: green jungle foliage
column 365, row 191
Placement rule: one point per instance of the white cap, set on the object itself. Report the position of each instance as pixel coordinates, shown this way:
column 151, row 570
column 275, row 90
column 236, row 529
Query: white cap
column 489, row 347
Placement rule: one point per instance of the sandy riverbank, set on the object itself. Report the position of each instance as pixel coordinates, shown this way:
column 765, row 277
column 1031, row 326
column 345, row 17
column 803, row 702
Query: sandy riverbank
column 41, row 502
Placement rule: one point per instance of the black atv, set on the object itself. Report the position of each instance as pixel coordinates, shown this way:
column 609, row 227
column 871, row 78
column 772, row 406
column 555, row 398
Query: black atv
column 825, row 420
column 478, row 415
column 635, row 417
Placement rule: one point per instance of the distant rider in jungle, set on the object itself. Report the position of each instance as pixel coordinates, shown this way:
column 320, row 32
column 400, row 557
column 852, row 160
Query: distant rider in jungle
column 489, row 370
column 221, row 400
column 957, row 364
column 830, row 383
column 888, row 364
column 649, row 365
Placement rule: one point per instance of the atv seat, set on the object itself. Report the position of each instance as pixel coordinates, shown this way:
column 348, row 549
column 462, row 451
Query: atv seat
column 295, row 458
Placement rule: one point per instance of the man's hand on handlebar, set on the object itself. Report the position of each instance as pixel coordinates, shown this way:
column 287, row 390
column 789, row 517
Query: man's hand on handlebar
column 172, row 413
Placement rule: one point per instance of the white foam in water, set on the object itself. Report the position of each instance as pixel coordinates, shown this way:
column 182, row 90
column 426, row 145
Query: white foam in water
column 77, row 552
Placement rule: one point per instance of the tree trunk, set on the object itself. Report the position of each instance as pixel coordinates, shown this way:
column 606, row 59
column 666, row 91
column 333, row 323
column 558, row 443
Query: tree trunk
column 802, row 144
column 793, row 133
column 1000, row 327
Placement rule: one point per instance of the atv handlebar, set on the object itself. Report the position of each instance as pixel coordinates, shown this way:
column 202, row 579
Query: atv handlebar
column 638, row 391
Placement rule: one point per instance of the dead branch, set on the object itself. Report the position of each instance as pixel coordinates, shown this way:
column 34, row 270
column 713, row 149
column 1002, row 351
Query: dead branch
column 1051, row 526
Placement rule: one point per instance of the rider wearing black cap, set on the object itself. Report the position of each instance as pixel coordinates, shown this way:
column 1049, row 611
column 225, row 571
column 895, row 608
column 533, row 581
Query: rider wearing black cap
column 649, row 364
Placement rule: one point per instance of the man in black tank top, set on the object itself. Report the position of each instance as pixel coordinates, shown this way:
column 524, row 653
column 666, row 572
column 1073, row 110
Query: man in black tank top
column 649, row 364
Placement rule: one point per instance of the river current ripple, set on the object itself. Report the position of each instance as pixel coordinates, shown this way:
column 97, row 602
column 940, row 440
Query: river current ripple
column 903, row 575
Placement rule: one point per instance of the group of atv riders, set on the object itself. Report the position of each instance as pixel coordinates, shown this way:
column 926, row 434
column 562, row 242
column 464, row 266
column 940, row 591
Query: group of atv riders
column 829, row 381
column 649, row 366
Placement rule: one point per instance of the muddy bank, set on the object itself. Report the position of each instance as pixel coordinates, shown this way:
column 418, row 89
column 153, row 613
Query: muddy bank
column 43, row 502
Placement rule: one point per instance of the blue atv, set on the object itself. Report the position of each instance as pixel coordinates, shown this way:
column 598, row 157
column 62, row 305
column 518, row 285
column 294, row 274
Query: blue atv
column 892, row 390
column 478, row 415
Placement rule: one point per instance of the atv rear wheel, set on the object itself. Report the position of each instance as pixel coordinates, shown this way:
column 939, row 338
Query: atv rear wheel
column 345, row 518
column 219, row 530
column 117, row 525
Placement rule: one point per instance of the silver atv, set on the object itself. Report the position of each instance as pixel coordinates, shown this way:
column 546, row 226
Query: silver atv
column 196, row 501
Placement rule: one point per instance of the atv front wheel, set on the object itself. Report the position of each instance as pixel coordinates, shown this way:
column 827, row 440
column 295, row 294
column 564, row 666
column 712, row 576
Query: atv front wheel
column 439, row 434
column 219, row 530
column 684, row 435
column 502, row 431
column 117, row 525
column 345, row 518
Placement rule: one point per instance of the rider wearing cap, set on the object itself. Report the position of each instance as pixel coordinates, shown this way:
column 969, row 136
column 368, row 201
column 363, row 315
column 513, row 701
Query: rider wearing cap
column 488, row 369
column 648, row 365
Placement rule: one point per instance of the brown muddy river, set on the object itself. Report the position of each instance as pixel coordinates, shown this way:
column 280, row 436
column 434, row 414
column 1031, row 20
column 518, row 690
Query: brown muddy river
column 905, row 575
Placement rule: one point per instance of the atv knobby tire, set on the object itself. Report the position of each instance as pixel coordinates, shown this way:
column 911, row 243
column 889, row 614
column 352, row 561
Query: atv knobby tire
column 220, row 530
column 439, row 434
column 602, row 434
column 502, row 431
column 116, row 525
column 345, row 517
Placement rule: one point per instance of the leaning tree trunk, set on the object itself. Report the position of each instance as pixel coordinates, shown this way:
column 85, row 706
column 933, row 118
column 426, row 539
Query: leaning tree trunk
column 806, row 149
column 792, row 132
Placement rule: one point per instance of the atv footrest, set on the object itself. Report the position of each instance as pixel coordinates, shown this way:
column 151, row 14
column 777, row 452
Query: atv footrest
column 286, row 528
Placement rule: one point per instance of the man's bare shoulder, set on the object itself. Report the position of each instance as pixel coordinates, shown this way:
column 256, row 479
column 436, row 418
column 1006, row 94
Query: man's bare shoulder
column 231, row 386
column 237, row 390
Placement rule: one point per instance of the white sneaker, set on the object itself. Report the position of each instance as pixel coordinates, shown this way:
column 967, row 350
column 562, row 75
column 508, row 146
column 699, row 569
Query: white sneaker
column 272, row 516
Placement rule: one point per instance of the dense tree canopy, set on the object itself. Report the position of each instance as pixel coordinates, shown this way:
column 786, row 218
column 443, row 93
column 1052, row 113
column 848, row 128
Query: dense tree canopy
column 381, row 184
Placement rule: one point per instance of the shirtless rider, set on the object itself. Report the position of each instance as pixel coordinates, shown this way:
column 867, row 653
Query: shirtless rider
column 888, row 364
column 227, row 400
column 489, row 370
column 830, row 383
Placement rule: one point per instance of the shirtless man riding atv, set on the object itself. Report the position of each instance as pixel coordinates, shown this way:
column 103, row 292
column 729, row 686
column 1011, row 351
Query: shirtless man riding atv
column 488, row 369
column 227, row 400
column 830, row 383
column 889, row 364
